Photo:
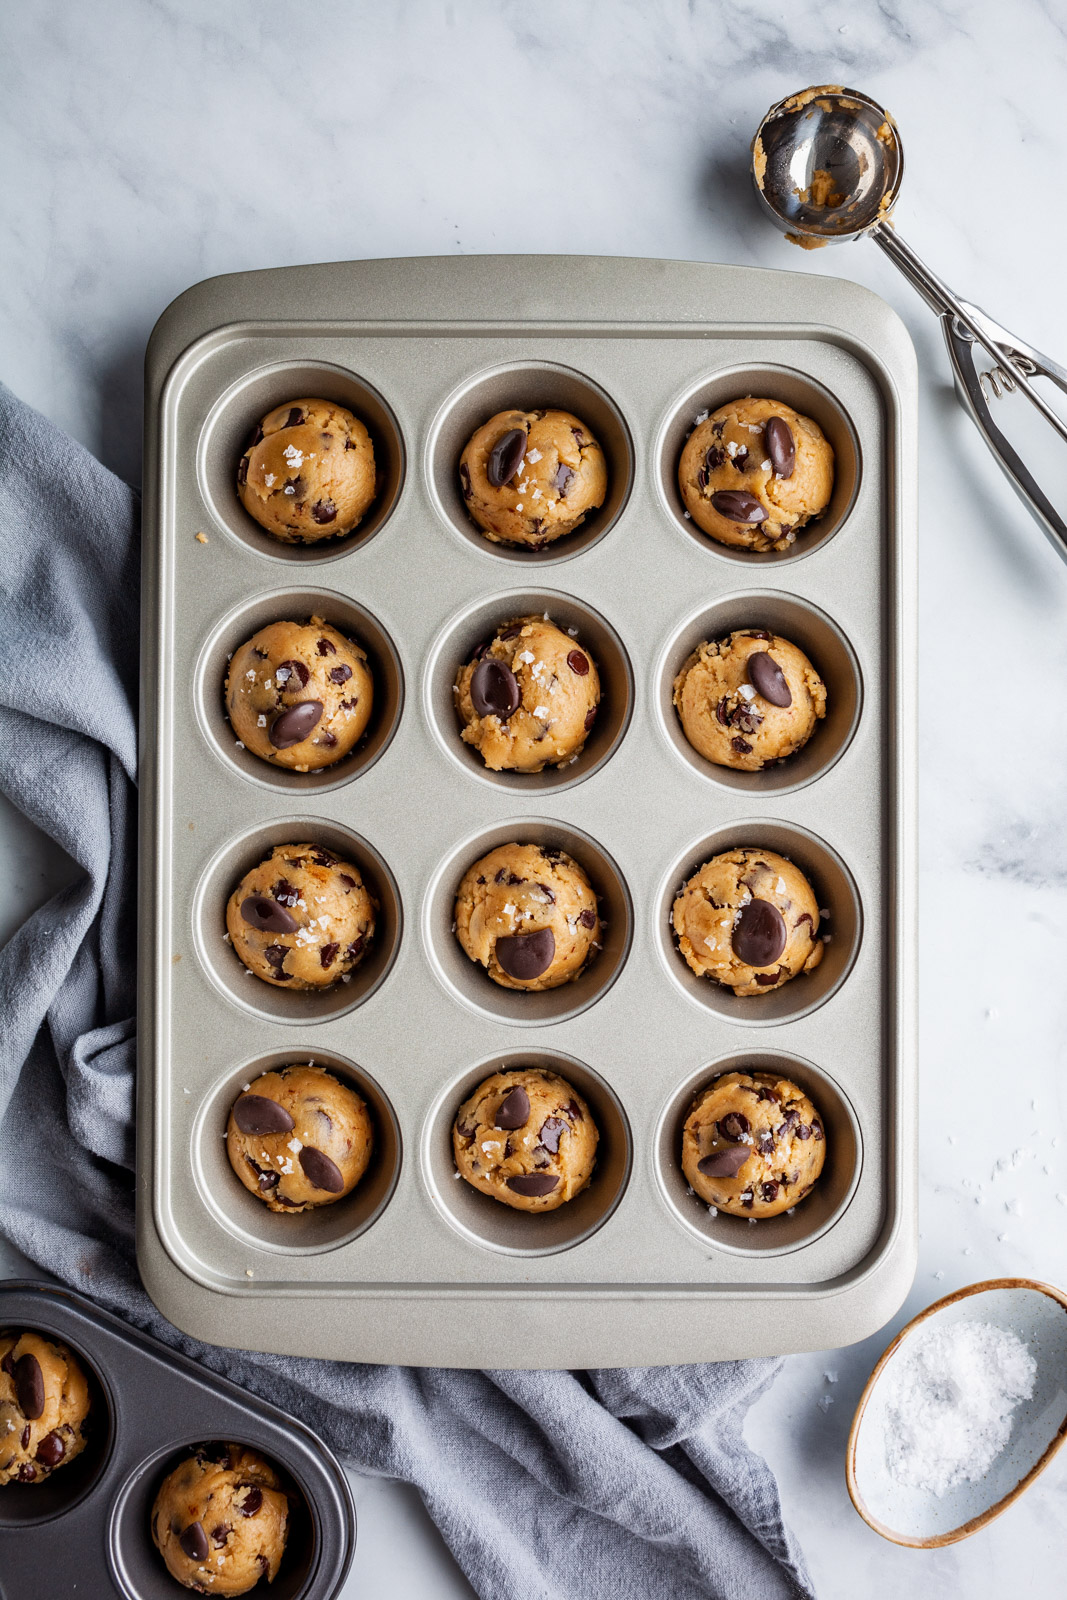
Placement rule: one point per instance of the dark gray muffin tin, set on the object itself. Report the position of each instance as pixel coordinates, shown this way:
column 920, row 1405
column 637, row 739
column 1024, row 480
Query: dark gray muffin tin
column 85, row 1531
column 416, row 1266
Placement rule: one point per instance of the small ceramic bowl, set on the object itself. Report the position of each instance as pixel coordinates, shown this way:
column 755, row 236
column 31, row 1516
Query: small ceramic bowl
column 1037, row 1314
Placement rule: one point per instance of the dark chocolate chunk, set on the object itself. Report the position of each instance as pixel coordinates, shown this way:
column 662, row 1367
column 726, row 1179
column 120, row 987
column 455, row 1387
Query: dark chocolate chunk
column 768, row 679
column 324, row 511
column 320, row 1170
column 29, row 1386
column 722, row 712
column 295, row 724
column 274, row 955
column 325, row 858
column 524, row 956
column 587, row 919
column 494, row 689
column 738, row 505
column 326, row 647
column 578, row 663
column 339, row 674
column 465, row 480
column 766, row 979
column 769, row 1190
column 285, row 893
column 294, row 419
column 328, row 954
column 194, row 1542
column 349, row 882
column 734, row 1125
column 788, row 1122
column 756, row 633
column 257, row 437
column 547, row 892
column 780, row 446
column 747, row 1198
column 25, row 1439
column 551, row 1130
column 816, row 1130
column 355, row 949
column 220, row 1533
column 504, row 876
column 27, row 1472
column 512, row 631
column 759, row 935
column 802, row 1130
column 513, row 1109
column 765, row 1143
column 296, row 487
column 741, row 459
column 242, row 470
column 573, row 1110
column 763, row 1093
column 562, row 480
column 505, row 458
column 51, row 1449
column 257, row 1113
column 590, row 718
column 533, row 1184
column 8, row 1363
column 252, row 1501
column 742, row 746
column 267, row 915
column 714, row 457
column 724, row 1163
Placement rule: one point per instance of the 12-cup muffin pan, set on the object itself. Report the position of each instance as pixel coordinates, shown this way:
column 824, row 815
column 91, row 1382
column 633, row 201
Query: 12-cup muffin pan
column 416, row 1266
column 87, row 1529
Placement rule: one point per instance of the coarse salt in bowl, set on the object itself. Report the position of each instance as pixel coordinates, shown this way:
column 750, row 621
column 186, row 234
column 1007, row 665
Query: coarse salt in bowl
column 924, row 1469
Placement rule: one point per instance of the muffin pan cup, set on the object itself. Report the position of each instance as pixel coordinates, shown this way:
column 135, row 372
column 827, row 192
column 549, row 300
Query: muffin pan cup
column 88, row 1526
column 639, row 349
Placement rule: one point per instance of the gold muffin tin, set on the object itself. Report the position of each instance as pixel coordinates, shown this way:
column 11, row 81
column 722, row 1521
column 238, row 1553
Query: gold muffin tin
column 415, row 1265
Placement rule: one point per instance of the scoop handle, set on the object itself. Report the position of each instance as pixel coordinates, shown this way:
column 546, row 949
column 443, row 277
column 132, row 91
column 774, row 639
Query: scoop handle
column 967, row 328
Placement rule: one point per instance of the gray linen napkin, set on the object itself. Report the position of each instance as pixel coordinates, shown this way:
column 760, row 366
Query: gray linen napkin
column 626, row 1484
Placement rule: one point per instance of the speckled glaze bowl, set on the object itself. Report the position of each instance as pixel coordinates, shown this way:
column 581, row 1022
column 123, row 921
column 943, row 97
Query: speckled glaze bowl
column 1037, row 1314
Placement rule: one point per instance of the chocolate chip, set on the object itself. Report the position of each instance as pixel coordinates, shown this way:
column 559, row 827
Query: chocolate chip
column 552, row 1130
column 756, row 633
column 533, row 1184
column 787, row 1124
column 242, row 470
column 194, row 1542
column 505, row 458
column 578, row 663
column 765, row 1143
column 349, row 883
column 294, row 419
column 512, row 631
column 296, row 487
column 295, row 724
column 328, row 954
column 802, row 1131
column 494, row 689
column 579, row 437
column 738, row 506
column 326, row 647
column 547, row 892
column 51, row 1449
column 285, row 893
column 816, row 1130
column 266, row 1180
column 257, row 1113
column 780, row 446
column 252, row 1501
column 354, row 949
column 714, row 457
column 465, row 480
column 340, row 674
column 562, row 480
column 724, row 1163
column 504, row 876
column 257, row 437
column 266, row 915
column 324, row 511
column 513, row 1109
column 763, row 1093
column 220, row 1534
column 587, row 919
column 524, row 956
column 320, row 1170
column 759, row 935
column 741, row 459
column 590, row 718
column 734, row 1125
column 325, row 858
column 573, row 1110
column 467, row 1131
column 264, row 1565
column 25, row 1439
column 742, row 746
column 769, row 1190
column 8, row 1363
column 29, row 1386
column 768, row 679
column 27, row 1472
column 747, row 1198
column 274, row 955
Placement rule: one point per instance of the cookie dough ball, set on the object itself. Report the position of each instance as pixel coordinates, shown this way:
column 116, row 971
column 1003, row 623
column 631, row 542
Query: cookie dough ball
column 753, row 1144
column 44, row 1405
column 302, row 919
column 529, row 477
column 748, row 700
column 220, row 1520
column 299, row 1138
column 527, row 913
column 529, row 698
column 308, row 473
column 750, row 920
column 755, row 473
column 299, row 695
column 526, row 1138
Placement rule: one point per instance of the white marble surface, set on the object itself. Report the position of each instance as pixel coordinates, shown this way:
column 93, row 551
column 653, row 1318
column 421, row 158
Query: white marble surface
column 149, row 145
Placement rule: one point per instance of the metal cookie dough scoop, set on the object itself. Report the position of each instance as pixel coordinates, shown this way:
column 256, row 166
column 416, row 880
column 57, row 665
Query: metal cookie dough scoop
column 828, row 165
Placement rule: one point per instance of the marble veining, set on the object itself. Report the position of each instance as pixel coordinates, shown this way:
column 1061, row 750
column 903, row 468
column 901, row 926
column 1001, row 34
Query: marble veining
column 153, row 144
